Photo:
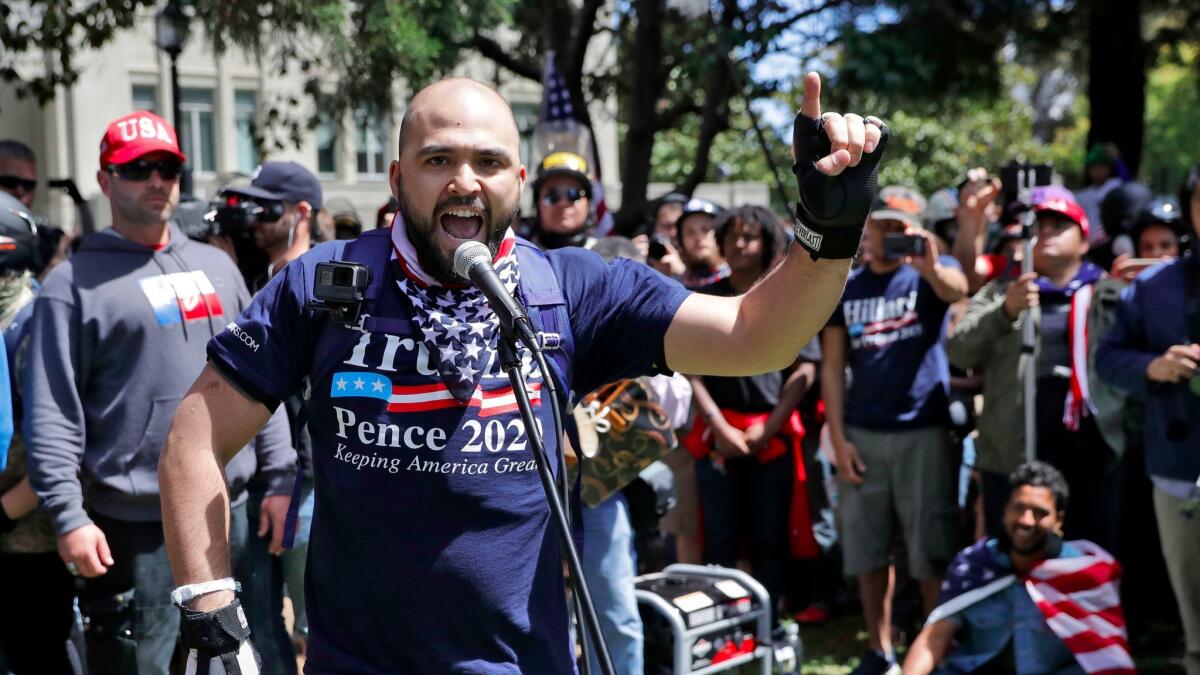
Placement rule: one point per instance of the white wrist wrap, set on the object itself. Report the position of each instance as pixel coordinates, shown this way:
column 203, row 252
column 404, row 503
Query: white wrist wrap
column 184, row 594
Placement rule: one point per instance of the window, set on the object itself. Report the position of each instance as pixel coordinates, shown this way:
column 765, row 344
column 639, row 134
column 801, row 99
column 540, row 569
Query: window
column 244, row 115
column 327, row 135
column 526, row 115
column 371, row 146
column 145, row 97
column 196, row 128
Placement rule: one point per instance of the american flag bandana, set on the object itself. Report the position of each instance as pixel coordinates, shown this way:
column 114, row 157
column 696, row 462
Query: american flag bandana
column 457, row 325
column 1079, row 597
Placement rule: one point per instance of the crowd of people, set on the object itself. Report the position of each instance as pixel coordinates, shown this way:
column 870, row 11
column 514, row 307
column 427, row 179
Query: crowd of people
column 891, row 443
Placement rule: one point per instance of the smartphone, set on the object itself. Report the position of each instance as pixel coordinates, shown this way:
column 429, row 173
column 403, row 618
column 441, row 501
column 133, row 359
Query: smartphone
column 1142, row 262
column 1014, row 176
column 658, row 247
column 899, row 246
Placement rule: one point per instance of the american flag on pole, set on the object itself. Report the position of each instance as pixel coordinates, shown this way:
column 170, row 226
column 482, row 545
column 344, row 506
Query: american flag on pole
column 557, row 107
column 1079, row 596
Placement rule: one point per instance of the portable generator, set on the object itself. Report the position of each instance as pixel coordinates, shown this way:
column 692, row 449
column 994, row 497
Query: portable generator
column 705, row 619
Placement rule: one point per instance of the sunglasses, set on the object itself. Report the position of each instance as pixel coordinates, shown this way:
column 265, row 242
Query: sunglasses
column 14, row 182
column 554, row 194
column 140, row 169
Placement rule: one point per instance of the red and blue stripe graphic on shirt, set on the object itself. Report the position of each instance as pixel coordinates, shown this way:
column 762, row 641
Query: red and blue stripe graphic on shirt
column 426, row 397
column 181, row 296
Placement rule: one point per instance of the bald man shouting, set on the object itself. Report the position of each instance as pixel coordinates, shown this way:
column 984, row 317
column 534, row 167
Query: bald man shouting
column 431, row 548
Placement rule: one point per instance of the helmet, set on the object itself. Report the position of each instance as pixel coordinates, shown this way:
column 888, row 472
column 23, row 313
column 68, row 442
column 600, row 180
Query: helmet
column 564, row 164
column 1161, row 210
column 19, row 247
column 697, row 205
column 1121, row 206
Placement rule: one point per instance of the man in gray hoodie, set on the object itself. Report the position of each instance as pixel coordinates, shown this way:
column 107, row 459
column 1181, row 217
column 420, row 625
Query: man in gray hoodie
column 118, row 334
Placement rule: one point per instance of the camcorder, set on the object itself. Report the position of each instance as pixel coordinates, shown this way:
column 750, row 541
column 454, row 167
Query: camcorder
column 900, row 246
column 229, row 215
column 339, row 289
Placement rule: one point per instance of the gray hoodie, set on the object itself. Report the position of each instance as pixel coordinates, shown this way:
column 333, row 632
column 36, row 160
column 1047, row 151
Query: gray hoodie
column 117, row 337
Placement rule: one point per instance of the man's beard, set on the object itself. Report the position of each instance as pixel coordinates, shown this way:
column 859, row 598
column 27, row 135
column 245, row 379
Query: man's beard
column 138, row 214
column 440, row 264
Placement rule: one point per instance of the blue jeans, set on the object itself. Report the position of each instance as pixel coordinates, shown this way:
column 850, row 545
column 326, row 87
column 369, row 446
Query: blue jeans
column 261, row 575
column 294, row 560
column 609, row 563
column 140, row 565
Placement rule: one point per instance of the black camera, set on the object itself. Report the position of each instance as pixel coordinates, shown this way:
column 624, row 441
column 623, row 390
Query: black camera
column 900, row 246
column 659, row 245
column 235, row 214
column 339, row 290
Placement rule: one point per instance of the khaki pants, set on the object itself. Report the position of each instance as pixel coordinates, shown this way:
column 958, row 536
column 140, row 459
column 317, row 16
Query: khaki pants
column 1181, row 549
column 910, row 483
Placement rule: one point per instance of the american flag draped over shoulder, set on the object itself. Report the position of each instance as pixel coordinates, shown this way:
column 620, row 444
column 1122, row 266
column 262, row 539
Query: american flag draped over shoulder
column 557, row 107
column 1079, row 596
column 1081, row 600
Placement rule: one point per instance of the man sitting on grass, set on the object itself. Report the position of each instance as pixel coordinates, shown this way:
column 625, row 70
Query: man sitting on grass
column 1027, row 602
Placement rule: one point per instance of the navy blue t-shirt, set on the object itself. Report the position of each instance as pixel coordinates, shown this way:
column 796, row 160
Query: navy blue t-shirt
column 432, row 549
column 897, row 330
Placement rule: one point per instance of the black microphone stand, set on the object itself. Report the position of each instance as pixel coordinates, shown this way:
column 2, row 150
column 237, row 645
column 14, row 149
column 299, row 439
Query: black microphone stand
column 510, row 361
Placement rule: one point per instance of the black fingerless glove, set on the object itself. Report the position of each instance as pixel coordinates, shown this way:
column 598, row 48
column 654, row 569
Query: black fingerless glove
column 832, row 210
column 219, row 639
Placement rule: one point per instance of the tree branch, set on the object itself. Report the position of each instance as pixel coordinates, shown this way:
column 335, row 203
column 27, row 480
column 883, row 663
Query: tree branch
column 669, row 118
column 585, row 28
column 490, row 49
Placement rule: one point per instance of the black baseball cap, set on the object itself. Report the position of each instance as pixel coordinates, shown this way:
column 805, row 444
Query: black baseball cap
column 282, row 182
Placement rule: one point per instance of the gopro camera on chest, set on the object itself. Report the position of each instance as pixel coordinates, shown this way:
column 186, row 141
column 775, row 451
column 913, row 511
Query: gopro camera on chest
column 339, row 289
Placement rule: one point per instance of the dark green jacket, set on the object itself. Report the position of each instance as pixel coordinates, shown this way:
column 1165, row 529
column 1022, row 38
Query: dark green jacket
column 986, row 338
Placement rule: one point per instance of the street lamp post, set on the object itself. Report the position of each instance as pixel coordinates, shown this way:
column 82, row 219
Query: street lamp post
column 171, row 32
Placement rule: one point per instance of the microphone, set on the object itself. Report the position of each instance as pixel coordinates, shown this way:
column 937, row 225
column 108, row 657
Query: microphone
column 473, row 262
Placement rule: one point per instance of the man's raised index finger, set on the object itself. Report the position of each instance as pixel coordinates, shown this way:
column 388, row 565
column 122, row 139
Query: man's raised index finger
column 811, row 105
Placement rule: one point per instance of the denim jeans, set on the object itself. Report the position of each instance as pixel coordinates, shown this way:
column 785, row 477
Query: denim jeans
column 261, row 575
column 294, row 560
column 132, row 625
column 609, row 563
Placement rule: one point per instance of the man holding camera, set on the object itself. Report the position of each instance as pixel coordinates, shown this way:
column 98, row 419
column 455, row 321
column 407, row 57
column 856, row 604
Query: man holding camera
column 889, row 429
column 1152, row 351
column 289, row 196
column 118, row 333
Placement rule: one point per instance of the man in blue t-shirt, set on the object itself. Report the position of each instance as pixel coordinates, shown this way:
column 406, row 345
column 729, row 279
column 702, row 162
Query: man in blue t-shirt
column 431, row 548
column 889, row 428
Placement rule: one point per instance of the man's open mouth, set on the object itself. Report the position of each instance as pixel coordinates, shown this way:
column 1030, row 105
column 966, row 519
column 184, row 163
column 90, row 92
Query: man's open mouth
column 462, row 223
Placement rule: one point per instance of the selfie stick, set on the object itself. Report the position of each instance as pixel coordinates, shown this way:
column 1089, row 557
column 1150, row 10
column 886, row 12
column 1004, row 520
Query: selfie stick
column 1025, row 179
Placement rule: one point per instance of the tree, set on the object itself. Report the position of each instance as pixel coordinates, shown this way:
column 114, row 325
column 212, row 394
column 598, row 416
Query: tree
column 348, row 52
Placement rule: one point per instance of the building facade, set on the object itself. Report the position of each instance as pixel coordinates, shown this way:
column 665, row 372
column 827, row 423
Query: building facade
column 222, row 103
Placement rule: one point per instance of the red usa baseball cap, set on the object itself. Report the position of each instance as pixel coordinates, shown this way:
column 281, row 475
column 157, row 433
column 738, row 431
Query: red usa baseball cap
column 1063, row 203
column 137, row 134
